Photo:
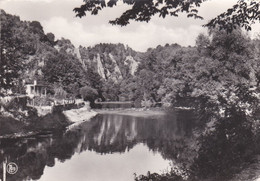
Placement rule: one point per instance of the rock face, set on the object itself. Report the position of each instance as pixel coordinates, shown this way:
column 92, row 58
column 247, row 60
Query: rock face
column 110, row 61
column 132, row 64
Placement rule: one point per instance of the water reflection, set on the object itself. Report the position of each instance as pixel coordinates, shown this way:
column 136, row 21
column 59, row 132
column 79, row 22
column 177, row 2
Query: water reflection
column 103, row 146
column 117, row 166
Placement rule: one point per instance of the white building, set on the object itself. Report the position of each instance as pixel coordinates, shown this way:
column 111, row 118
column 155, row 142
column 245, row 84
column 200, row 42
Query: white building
column 35, row 89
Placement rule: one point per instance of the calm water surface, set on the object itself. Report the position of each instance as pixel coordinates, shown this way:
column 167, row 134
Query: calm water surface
column 108, row 147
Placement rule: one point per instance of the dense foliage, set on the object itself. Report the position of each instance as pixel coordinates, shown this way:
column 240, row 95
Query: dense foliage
column 242, row 14
column 12, row 58
column 28, row 54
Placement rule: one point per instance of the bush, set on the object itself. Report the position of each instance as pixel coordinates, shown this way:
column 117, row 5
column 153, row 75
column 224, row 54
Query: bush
column 224, row 150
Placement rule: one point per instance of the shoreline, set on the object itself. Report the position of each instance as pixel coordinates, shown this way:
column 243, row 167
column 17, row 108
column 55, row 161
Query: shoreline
column 78, row 116
column 69, row 119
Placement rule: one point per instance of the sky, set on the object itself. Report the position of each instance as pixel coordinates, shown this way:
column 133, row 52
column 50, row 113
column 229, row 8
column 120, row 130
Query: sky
column 57, row 16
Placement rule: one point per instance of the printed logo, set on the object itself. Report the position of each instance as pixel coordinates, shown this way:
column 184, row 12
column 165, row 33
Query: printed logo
column 12, row 168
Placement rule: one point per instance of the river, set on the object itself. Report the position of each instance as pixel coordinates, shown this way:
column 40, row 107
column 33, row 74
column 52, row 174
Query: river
column 109, row 147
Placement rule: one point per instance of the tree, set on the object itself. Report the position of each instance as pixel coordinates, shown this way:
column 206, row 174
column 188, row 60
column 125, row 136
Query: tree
column 202, row 43
column 50, row 38
column 242, row 14
column 11, row 61
column 89, row 94
column 61, row 67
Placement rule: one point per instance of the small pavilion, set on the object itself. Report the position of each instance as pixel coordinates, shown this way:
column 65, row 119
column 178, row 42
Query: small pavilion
column 36, row 89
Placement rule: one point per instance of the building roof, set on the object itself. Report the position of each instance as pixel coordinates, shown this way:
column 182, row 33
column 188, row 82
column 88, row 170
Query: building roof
column 38, row 84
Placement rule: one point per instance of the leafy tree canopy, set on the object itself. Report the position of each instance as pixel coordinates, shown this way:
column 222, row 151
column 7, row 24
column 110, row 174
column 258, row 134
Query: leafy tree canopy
column 12, row 59
column 89, row 94
column 242, row 14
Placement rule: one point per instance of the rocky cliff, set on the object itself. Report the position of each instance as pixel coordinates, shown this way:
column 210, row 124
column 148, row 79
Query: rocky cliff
column 110, row 61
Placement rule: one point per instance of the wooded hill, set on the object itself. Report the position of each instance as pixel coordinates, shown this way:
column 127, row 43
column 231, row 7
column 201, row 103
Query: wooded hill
column 221, row 67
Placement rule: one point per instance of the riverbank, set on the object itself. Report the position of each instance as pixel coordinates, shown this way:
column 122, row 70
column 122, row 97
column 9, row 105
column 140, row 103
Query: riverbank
column 13, row 128
column 35, row 124
column 81, row 114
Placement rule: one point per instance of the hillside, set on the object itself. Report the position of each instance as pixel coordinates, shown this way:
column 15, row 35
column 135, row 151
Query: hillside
column 59, row 63
column 218, row 64
column 32, row 54
column 110, row 69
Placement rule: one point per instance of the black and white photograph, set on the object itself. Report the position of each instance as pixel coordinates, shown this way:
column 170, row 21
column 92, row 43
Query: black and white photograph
column 130, row 90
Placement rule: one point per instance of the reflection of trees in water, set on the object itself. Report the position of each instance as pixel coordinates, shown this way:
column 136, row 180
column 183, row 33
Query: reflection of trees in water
column 119, row 133
column 175, row 140
column 103, row 134
column 30, row 156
